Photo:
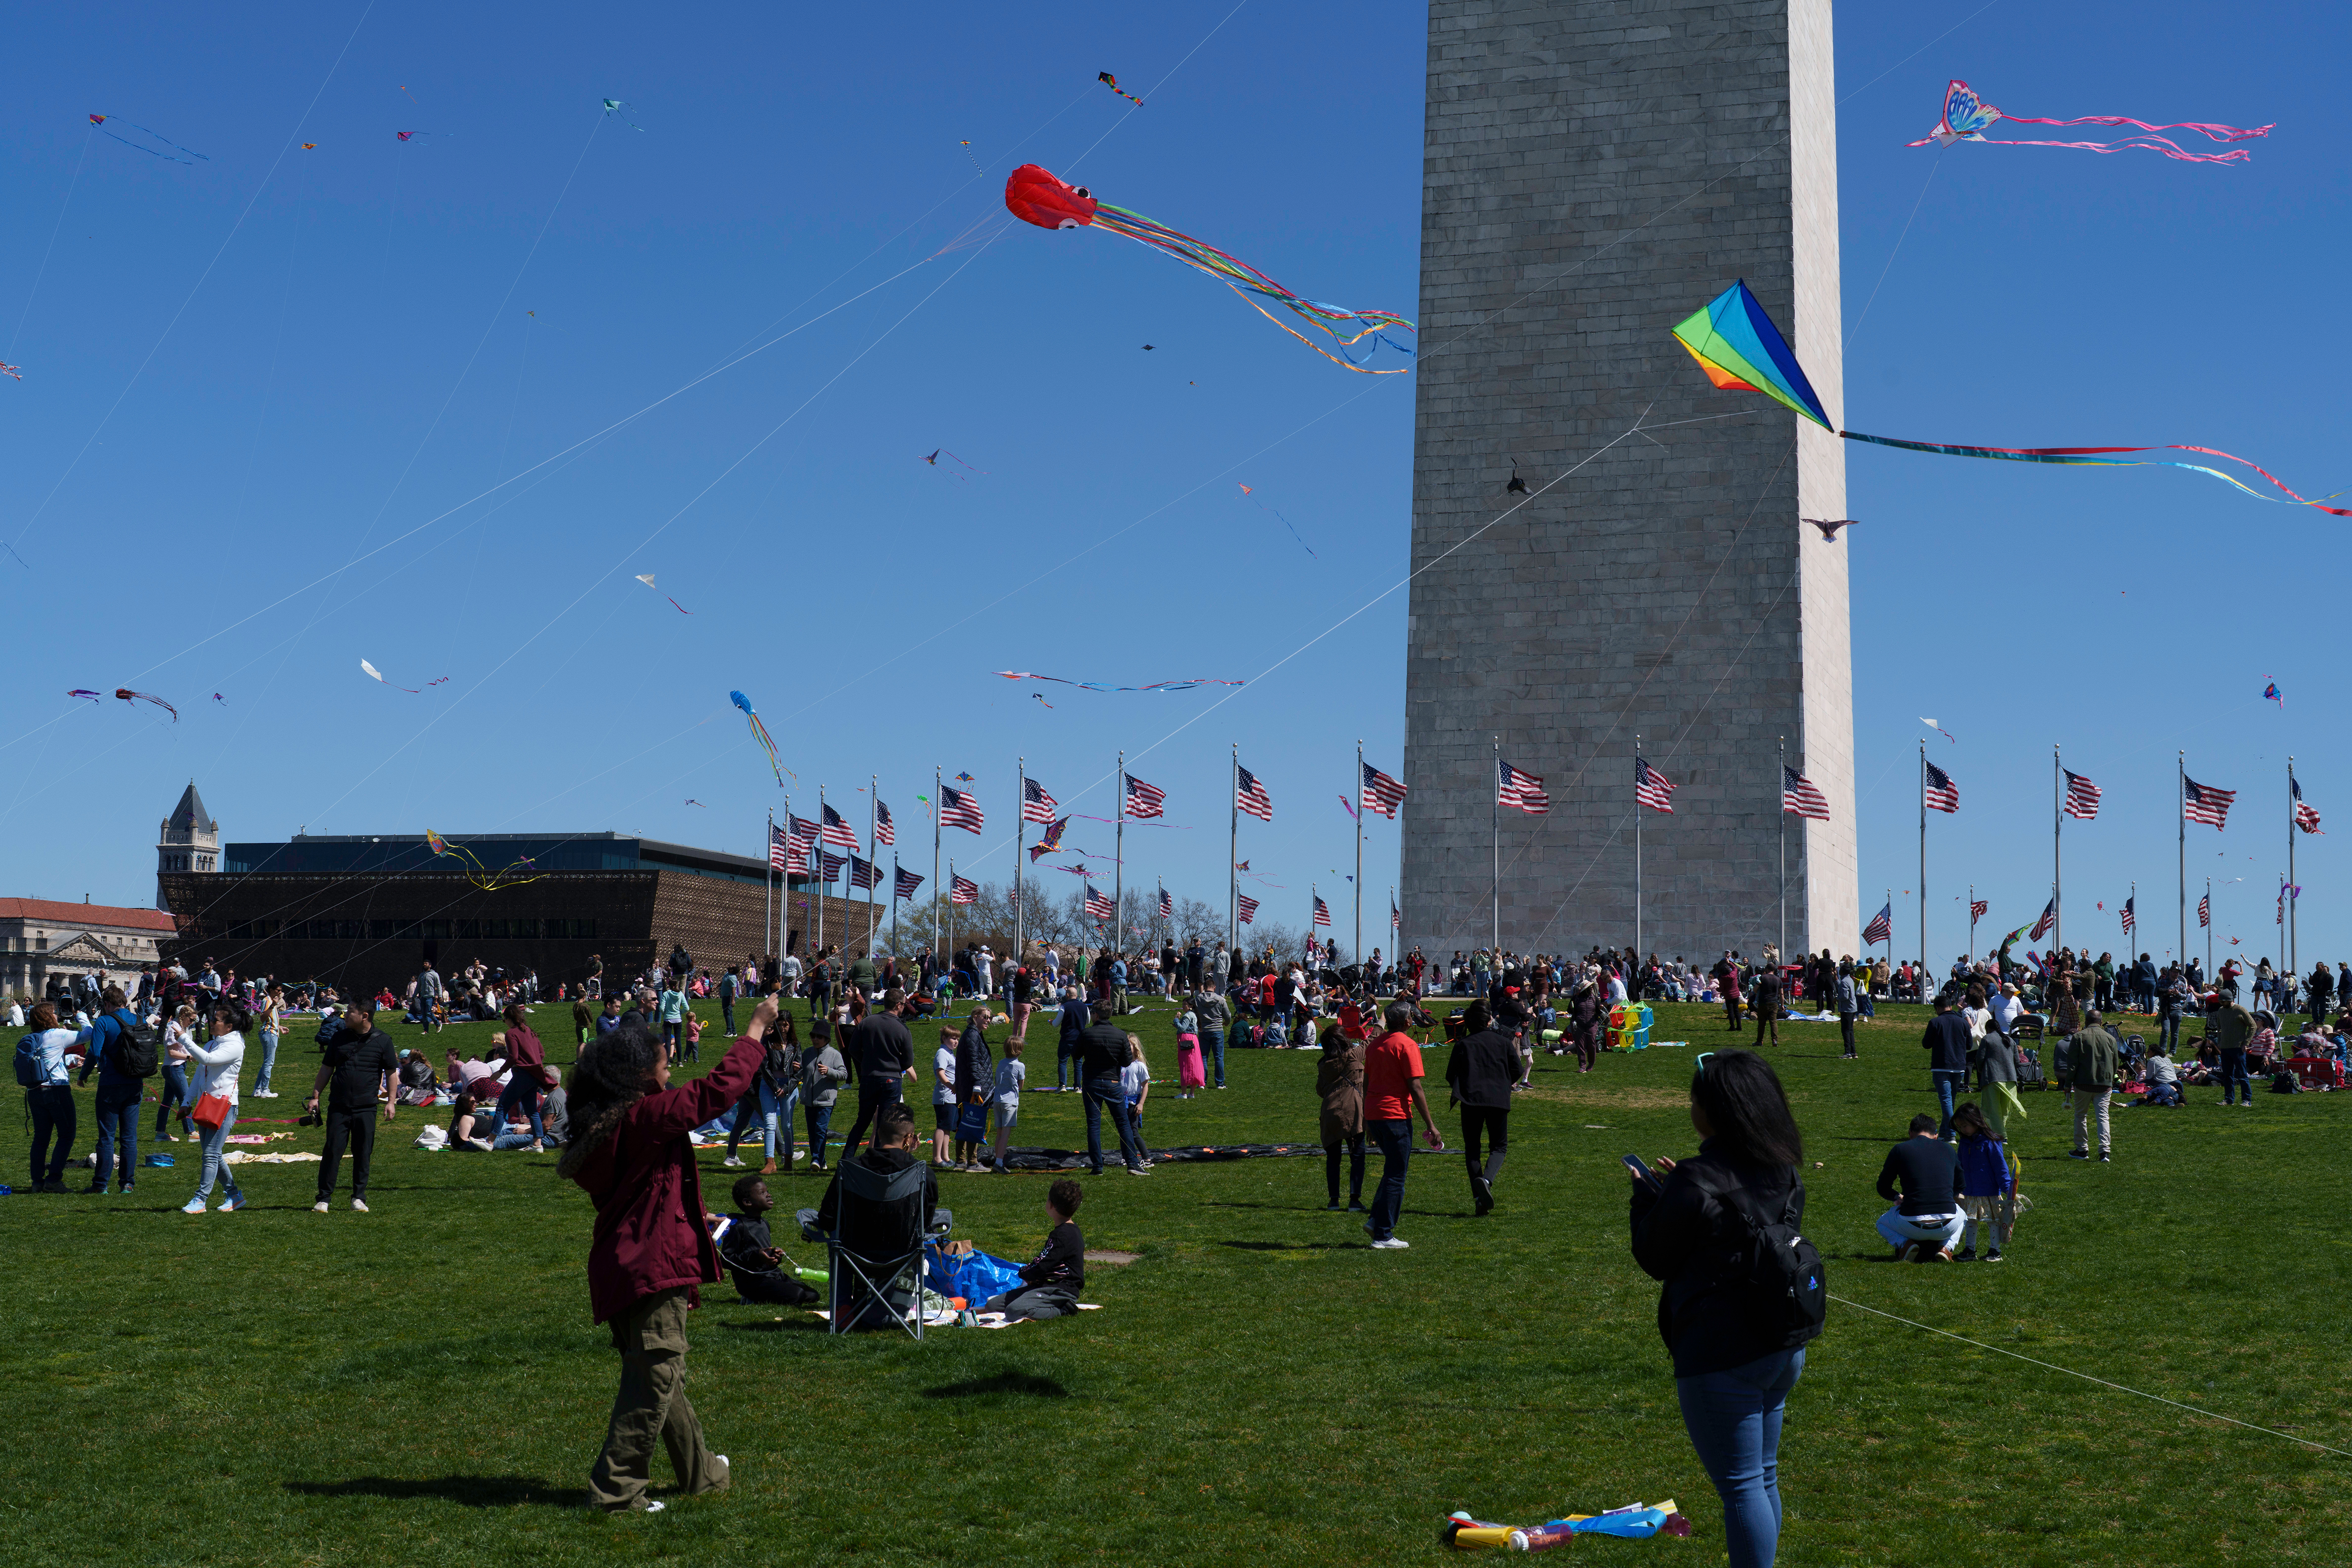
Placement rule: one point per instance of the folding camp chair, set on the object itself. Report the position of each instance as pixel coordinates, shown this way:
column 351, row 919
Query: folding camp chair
column 870, row 1290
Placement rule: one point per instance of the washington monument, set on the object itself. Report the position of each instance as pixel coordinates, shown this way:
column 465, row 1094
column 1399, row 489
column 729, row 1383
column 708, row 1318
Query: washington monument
column 1593, row 173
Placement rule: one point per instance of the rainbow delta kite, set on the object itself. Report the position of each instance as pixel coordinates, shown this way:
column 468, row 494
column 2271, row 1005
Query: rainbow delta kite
column 1736, row 343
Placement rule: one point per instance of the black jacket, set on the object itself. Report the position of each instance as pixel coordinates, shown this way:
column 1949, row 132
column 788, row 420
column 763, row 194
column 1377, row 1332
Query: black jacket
column 1947, row 1043
column 880, row 1046
column 1103, row 1049
column 1685, row 1236
column 1482, row 1069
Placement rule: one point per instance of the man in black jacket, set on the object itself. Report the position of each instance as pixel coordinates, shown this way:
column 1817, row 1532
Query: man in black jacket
column 1102, row 1054
column 1919, row 1179
column 1949, row 1048
column 361, row 1063
column 883, row 1054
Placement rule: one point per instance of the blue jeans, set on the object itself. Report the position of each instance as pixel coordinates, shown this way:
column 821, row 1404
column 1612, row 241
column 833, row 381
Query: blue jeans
column 2234, row 1077
column 175, row 1090
column 269, row 1060
column 2171, row 1031
column 1101, row 1091
column 1393, row 1136
column 523, row 1092
column 727, row 1012
column 1734, row 1421
column 118, row 1132
column 211, row 1139
column 820, row 1130
column 1212, row 1045
column 1949, row 1082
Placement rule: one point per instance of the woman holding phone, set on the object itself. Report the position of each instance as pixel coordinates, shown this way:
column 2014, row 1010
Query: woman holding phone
column 1743, row 1291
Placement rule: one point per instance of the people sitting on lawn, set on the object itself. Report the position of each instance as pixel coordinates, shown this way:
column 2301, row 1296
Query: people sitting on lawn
column 872, row 1231
column 1050, row 1282
column 1926, row 1219
column 2163, row 1077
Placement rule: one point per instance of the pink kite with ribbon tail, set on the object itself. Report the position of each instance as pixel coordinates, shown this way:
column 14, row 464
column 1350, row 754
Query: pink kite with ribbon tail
column 1966, row 115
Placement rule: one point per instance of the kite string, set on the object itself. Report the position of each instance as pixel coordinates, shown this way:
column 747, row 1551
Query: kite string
column 1848, row 339
column 43, row 270
column 2053, row 1367
column 197, row 287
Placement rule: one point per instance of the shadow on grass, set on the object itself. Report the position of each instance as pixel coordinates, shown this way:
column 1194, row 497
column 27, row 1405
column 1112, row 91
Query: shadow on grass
column 1000, row 1383
column 471, row 1492
column 1289, row 1246
column 803, row 1323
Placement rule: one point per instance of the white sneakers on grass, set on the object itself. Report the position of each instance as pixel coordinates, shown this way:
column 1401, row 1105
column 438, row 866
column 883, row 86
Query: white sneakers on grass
column 358, row 1206
column 1391, row 1244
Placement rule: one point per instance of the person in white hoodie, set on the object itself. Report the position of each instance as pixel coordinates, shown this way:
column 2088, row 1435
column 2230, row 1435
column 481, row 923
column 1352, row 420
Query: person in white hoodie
column 216, row 1064
column 48, row 1099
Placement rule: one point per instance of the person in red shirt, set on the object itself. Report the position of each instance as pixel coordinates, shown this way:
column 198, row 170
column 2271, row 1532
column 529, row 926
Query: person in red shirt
column 1393, row 1093
column 650, row 1249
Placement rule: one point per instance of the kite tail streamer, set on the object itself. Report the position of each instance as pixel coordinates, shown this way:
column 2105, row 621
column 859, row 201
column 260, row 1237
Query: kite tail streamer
column 2216, row 132
column 1245, row 280
column 2087, row 457
column 2143, row 143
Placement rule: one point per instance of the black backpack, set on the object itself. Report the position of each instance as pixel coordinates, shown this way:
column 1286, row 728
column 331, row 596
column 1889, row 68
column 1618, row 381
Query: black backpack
column 1777, row 1271
column 134, row 1049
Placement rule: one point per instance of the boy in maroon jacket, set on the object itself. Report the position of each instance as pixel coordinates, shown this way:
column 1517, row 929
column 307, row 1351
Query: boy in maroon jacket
column 650, row 1249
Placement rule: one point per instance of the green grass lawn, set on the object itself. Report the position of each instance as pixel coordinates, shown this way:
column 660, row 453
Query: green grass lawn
column 421, row 1385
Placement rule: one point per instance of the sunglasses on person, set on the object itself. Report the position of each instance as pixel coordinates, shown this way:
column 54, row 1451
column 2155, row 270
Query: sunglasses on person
column 1704, row 1058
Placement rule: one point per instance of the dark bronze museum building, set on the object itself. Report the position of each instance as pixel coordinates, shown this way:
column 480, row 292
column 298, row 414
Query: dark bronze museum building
column 366, row 911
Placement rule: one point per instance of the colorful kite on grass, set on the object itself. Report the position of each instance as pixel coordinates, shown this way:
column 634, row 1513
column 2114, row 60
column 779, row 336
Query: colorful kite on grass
column 647, row 578
column 1736, row 343
column 1184, row 685
column 759, row 734
column 479, row 874
column 1636, row 1522
column 1966, row 115
column 1111, row 82
column 127, row 695
column 1036, row 197
column 100, row 120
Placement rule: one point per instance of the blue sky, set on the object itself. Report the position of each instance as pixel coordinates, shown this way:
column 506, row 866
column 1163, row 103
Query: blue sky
column 281, row 380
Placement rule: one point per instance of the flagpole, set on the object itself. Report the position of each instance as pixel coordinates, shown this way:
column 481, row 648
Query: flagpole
column 2291, row 957
column 873, row 848
column 768, row 884
column 1921, row 982
column 1497, row 949
column 1637, row 847
column 784, row 892
column 825, row 883
column 2209, row 930
column 2057, row 815
column 894, row 907
column 1233, row 866
column 1972, row 922
column 950, row 898
column 1020, row 835
column 1784, row 845
column 2180, row 771
column 1923, row 857
column 938, row 887
column 1359, row 851
column 1118, row 860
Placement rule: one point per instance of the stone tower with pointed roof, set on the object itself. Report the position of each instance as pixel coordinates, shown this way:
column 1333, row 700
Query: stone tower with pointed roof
column 190, row 840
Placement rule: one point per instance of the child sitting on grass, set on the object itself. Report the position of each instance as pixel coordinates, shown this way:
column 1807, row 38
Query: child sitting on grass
column 752, row 1255
column 2163, row 1077
column 1050, row 1282
column 1987, row 1184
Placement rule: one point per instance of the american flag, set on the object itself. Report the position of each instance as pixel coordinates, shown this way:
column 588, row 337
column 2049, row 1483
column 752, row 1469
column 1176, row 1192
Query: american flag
column 2042, row 926
column 1322, row 913
column 1247, row 906
column 836, row 831
column 833, row 866
column 863, row 873
column 1145, row 799
column 1167, row 906
column 1976, row 909
column 2129, row 918
column 1036, row 806
column 2305, row 816
column 908, row 881
column 962, row 889
column 886, row 831
column 1523, row 791
column 780, row 847
column 1099, row 904
column 1652, row 788
column 958, row 809
column 1251, row 796
column 1012, row 897
column 1881, row 927
column 796, row 860
column 1943, row 795
column 1051, row 841
column 803, row 831
column 2205, row 910
column 2203, row 803
column 2081, row 796
column 1798, row 795
column 1396, row 917
column 1382, row 794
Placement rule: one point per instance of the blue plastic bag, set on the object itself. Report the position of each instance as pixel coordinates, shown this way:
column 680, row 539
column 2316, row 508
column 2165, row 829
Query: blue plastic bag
column 974, row 1276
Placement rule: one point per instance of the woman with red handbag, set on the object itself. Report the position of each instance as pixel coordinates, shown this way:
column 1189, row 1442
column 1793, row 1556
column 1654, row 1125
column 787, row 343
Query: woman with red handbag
column 213, row 1082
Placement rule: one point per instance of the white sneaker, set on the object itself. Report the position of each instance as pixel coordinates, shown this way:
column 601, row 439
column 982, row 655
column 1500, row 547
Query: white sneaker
column 264, row 1094
column 731, row 1162
column 1391, row 1244
column 654, row 1506
column 320, row 1207
column 358, row 1206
